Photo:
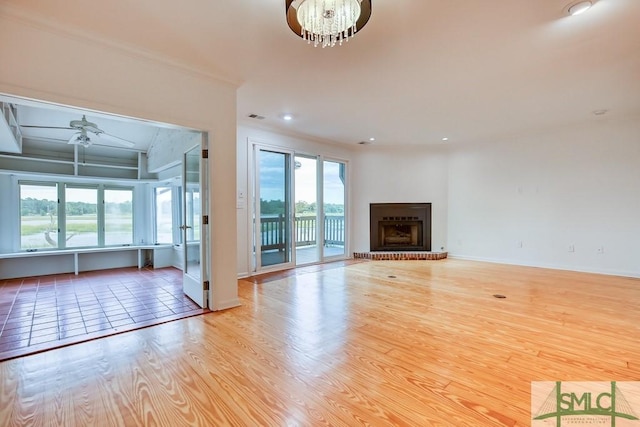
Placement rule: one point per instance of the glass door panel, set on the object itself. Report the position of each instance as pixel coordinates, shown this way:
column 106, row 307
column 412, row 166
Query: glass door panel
column 333, row 191
column 192, row 212
column 306, row 210
column 273, row 210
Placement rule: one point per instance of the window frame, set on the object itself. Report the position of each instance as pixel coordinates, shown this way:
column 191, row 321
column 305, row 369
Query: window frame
column 28, row 182
column 103, row 205
column 64, row 222
column 61, row 214
column 172, row 190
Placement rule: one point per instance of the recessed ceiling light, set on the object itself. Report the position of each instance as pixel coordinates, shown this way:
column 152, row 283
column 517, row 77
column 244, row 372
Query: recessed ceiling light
column 578, row 7
column 372, row 139
column 287, row 117
column 445, row 139
column 600, row 112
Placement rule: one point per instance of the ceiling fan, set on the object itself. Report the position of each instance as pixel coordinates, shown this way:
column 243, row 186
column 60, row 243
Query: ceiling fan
column 86, row 133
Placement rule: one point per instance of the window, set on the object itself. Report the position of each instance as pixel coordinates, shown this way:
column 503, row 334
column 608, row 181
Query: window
column 118, row 216
column 164, row 215
column 57, row 215
column 81, row 214
column 38, row 216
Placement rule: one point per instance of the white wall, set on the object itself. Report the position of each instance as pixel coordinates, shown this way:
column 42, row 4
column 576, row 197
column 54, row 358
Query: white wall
column 576, row 186
column 248, row 135
column 41, row 61
column 399, row 175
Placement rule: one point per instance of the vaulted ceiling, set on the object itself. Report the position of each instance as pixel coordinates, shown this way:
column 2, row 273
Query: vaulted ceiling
column 420, row 71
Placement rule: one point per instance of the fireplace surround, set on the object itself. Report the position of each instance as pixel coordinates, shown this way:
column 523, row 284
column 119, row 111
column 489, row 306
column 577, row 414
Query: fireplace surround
column 400, row 227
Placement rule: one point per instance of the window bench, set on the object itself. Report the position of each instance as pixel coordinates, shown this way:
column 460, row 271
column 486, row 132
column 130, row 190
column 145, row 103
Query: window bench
column 82, row 259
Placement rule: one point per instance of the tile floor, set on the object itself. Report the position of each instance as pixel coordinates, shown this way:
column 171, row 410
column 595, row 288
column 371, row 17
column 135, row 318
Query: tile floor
column 40, row 313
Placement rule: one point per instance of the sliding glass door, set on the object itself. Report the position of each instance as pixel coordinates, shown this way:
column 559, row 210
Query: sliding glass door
column 308, row 249
column 273, row 209
column 333, row 208
column 299, row 206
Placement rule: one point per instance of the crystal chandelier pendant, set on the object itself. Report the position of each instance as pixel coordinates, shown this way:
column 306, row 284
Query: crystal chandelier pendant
column 327, row 22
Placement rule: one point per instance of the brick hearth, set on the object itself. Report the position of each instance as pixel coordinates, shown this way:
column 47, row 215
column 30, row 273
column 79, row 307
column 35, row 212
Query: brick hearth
column 384, row 256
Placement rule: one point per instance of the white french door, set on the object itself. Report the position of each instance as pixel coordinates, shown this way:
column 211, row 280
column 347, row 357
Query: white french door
column 193, row 239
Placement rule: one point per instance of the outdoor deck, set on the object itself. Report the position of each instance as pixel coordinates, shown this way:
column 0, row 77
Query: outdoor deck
column 274, row 239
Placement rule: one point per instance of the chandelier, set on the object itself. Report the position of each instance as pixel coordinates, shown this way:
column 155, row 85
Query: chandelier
column 327, row 22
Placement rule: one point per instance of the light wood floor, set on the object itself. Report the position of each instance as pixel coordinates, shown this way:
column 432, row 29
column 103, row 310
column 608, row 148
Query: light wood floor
column 346, row 346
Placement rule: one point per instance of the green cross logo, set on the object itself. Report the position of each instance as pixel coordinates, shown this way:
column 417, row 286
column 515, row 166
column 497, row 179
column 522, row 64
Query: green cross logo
column 584, row 403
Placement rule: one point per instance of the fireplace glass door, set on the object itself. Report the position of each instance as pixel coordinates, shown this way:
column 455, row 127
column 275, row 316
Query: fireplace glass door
column 400, row 226
column 405, row 235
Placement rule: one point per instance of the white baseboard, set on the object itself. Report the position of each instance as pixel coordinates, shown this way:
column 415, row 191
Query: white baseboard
column 634, row 274
column 226, row 304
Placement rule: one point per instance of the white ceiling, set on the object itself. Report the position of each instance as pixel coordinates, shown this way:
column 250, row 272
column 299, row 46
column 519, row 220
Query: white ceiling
column 421, row 70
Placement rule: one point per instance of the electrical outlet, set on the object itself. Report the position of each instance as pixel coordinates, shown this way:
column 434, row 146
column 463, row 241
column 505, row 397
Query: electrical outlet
column 600, row 250
column 572, row 248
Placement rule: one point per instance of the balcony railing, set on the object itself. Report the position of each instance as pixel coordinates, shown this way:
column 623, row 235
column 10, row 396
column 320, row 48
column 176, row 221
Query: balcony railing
column 274, row 231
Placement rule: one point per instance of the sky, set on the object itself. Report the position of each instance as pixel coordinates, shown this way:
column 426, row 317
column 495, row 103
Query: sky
column 87, row 195
column 272, row 179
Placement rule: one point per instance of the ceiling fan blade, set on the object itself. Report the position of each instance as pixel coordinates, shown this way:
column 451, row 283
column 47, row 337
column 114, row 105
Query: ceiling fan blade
column 93, row 129
column 46, row 127
column 116, row 139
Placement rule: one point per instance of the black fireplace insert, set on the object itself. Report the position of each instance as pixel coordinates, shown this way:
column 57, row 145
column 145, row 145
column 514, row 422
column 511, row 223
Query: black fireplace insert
column 400, row 226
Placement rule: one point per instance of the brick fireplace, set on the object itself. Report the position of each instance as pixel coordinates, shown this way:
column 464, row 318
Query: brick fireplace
column 400, row 227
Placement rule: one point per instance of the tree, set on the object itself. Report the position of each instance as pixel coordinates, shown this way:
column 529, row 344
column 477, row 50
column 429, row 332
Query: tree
column 271, row 207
